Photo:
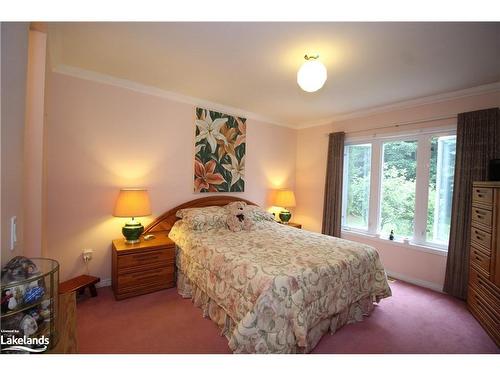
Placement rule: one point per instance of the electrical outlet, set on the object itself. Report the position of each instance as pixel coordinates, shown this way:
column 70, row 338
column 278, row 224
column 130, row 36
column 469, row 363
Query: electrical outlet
column 87, row 255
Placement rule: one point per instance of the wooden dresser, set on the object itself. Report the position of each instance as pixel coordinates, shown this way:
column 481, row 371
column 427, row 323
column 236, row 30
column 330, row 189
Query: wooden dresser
column 144, row 267
column 294, row 225
column 483, row 296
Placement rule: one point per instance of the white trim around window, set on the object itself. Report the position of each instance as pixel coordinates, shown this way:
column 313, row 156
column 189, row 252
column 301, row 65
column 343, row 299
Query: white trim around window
column 422, row 137
column 358, row 235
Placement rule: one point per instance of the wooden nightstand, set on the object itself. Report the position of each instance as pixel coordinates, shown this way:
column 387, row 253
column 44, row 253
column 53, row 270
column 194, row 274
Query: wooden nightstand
column 295, row 225
column 143, row 267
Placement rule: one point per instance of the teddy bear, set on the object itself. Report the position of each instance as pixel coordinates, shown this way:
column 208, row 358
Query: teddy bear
column 238, row 219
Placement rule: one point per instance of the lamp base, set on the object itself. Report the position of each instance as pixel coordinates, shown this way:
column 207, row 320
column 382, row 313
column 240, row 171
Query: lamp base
column 132, row 231
column 285, row 216
column 131, row 242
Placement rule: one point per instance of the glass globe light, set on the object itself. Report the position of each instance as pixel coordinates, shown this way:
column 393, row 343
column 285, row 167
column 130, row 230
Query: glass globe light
column 312, row 74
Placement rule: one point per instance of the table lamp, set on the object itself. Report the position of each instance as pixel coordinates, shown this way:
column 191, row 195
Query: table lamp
column 132, row 203
column 285, row 199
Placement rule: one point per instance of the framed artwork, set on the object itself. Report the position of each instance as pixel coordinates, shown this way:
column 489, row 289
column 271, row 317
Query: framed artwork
column 220, row 146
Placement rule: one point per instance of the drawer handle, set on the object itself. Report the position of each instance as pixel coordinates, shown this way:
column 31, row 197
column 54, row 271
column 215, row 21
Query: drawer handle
column 148, row 274
column 480, row 195
column 146, row 277
column 147, row 256
column 479, row 216
column 481, row 281
column 479, row 238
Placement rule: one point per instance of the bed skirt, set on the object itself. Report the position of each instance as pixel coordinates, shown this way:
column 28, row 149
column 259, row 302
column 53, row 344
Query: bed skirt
column 351, row 314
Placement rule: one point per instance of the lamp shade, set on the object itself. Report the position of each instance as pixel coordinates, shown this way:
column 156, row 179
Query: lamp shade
column 311, row 75
column 132, row 203
column 285, row 198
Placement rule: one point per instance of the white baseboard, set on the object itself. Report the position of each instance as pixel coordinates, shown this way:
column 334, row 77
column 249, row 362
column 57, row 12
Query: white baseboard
column 103, row 283
column 423, row 283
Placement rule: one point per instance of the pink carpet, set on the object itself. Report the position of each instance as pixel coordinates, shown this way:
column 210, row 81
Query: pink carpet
column 414, row 320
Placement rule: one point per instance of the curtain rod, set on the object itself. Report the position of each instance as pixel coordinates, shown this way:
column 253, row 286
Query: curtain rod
column 400, row 124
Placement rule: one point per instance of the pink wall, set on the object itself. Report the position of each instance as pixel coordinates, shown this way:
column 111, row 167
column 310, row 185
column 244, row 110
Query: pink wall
column 311, row 165
column 33, row 144
column 101, row 137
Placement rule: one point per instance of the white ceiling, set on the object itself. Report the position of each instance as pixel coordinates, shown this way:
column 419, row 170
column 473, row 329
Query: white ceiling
column 252, row 66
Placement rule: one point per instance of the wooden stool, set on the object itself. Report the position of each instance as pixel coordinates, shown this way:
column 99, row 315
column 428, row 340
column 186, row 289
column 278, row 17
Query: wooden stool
column 79, row 284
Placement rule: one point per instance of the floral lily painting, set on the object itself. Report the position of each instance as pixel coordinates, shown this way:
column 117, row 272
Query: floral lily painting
column 220, row 145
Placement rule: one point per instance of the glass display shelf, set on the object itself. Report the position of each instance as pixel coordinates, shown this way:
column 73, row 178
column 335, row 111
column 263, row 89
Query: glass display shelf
column 25, row 307
column 30, row 301
column 12, row 277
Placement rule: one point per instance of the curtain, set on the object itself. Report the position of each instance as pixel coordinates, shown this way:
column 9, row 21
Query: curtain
column 478, row 141
column 332, row 207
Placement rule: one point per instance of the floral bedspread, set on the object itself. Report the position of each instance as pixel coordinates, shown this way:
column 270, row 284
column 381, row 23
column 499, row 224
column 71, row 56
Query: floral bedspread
column 278, row 283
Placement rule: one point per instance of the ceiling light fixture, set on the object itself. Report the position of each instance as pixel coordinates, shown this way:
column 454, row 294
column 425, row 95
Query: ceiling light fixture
column 312, row 74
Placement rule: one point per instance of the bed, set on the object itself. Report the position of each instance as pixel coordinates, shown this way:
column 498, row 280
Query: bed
column 273, row 289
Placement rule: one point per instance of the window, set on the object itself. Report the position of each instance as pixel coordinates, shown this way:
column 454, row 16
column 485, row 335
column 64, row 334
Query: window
column 402, row 184
column 398, row 188
column 442, row 168
column 357, row 162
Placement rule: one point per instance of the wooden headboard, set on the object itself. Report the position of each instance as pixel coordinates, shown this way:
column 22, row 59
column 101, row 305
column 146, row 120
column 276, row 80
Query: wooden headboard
column 168, row 219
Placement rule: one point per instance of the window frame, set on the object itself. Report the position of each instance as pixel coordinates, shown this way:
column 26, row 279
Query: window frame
column 345, row 190
column 423, row 139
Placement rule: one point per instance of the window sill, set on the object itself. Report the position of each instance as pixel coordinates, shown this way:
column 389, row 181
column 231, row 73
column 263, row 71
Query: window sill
column 396, row 242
